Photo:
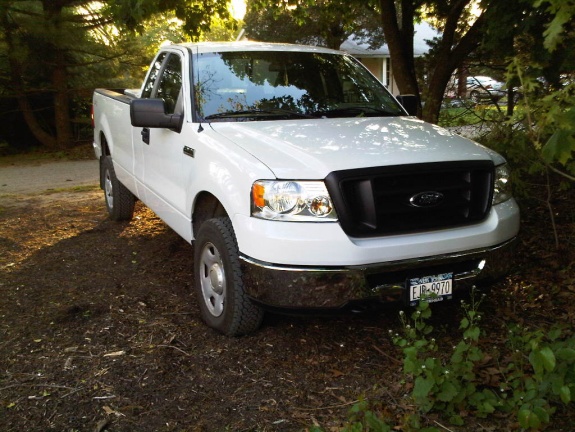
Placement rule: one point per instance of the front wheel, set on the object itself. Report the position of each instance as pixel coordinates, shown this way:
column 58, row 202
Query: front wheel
column 475, row 97
column 218, row 283
column 119, row 200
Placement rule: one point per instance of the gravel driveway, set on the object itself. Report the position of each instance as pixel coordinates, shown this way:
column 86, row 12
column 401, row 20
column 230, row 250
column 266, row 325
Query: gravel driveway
column 49, row 175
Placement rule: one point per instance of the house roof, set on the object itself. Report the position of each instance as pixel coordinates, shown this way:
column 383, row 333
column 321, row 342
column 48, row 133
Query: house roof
column 423, row 33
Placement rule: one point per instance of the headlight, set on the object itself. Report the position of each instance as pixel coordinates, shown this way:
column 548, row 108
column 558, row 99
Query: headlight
column 502, row 185
column 301, row 201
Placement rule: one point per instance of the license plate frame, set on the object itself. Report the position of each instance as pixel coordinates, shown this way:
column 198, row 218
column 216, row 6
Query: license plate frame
column 430, row 288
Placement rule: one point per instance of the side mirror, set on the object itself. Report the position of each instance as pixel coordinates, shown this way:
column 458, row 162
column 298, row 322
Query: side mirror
column 151, row 113
column 409, row 102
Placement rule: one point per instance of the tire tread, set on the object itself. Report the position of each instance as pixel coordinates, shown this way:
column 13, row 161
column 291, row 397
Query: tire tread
column 242, row 316
column 124, row 200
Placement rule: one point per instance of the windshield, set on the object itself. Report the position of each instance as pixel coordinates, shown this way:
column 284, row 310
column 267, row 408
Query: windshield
column 264, row 85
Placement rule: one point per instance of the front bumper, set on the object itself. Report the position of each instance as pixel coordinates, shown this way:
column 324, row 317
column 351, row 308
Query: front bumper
column 281, row 286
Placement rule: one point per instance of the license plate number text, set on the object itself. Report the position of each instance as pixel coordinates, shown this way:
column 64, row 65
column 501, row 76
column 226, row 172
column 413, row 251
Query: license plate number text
column 430, row 288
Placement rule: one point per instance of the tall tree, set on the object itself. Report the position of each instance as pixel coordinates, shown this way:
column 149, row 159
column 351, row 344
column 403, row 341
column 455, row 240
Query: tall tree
column 462, row 32
column 46, row 46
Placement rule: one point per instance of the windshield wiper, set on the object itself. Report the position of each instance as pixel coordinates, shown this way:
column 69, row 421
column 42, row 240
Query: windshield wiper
column 258, row 113
column 356, row 111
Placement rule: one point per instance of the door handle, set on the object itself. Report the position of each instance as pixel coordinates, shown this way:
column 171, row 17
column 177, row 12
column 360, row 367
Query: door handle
column 146, row 135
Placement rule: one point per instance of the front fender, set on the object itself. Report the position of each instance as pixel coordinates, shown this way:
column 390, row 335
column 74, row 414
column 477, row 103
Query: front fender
column 224, row 170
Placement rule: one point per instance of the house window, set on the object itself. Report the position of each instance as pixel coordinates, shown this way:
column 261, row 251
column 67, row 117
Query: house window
column 386, row 72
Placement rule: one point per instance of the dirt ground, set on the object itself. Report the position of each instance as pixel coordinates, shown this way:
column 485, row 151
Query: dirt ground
column 99, row 330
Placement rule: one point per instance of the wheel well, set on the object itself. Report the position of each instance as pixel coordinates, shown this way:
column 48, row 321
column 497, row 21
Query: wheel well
column 104, row 145
column 105, row 152
column 206, row 207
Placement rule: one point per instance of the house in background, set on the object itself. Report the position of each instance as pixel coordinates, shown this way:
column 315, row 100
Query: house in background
column 378, row 60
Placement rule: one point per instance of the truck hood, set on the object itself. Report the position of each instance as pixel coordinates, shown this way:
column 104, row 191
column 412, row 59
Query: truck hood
column 311, row 149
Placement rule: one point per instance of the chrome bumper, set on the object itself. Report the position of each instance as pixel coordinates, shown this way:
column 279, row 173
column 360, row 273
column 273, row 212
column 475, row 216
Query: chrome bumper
column 311, row 287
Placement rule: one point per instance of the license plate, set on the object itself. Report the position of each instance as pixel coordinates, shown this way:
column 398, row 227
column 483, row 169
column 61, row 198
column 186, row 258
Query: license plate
column 431, row 289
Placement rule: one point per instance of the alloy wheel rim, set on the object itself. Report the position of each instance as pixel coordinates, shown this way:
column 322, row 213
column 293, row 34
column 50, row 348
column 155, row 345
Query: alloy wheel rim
column 109, row 190
column 212, row 279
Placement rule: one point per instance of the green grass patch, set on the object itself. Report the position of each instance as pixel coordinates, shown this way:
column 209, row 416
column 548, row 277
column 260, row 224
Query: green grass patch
column 468, row 115
column 80, row 188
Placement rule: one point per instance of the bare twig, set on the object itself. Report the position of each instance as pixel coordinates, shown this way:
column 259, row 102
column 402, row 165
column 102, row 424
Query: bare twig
column 72, row 392
column 561, row 173
column 550, row 207
column 329, row 406
column 383, row 353
column 38, row 385
column 176, row 348
column 441, row 426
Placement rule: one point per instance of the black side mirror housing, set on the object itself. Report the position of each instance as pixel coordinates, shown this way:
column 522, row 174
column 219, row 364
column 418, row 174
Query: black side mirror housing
column 409, row 102
column 151, row 113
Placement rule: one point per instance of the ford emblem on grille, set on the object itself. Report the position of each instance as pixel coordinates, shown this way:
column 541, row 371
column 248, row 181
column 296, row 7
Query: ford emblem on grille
column 426, row 199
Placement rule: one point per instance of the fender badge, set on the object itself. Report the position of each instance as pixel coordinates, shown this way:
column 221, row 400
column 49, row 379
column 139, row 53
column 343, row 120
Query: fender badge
column 189, row 151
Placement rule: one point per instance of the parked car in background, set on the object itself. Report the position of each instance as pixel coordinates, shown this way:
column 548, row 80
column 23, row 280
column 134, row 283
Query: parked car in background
column 481, row 88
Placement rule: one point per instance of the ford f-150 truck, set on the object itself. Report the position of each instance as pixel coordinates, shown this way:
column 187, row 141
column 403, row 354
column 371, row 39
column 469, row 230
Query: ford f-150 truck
column 301, row 182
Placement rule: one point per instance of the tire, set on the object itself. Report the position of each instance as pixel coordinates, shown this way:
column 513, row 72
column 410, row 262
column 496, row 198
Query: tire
column 223, row 304
column 475, row 97
column 119, row 200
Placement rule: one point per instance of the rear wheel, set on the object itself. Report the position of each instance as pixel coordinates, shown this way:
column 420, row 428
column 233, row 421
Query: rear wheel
column 119, row 200
column 218, row 283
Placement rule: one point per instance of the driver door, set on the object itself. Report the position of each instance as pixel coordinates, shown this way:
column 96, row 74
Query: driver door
column 160, row 149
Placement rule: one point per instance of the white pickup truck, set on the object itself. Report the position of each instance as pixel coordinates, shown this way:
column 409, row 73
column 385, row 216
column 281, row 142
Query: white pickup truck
column 301, row 182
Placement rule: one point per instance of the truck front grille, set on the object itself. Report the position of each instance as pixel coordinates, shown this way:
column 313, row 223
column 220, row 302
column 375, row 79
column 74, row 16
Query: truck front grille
column 411, row 198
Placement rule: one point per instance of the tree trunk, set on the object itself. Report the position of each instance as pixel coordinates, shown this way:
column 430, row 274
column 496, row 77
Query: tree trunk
column 53, row 16
column 399, row 38
column 450, row 53
column 61, row 101
column 449, row 58
column 47, row 140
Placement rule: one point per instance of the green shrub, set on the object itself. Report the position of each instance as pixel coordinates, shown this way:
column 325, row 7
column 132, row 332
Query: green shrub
column 538, row 375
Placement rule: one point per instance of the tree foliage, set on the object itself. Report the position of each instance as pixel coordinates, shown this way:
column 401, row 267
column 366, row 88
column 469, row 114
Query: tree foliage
column 540, row 64
column 196, row 16
column 325, row 22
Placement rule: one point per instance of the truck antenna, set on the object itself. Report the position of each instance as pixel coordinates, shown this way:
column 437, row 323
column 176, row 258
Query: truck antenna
column 200, row 128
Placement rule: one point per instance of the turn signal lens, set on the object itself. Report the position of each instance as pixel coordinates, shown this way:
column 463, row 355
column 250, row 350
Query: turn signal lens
column 258, row 191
